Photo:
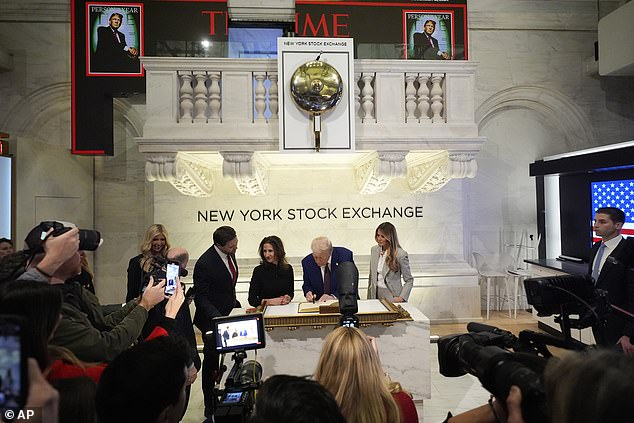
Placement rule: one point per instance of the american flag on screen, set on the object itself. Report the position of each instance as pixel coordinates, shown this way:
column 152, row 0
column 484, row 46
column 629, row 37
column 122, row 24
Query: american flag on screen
column 619, row 194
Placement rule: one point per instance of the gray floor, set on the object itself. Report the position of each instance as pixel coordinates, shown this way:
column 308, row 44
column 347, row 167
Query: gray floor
column 448, row 394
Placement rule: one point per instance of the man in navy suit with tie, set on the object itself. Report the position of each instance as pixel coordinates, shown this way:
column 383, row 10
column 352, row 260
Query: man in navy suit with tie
column 320, row 282
column 215, row 276
column 113, row 55
column 426, row 46
column 610, row 265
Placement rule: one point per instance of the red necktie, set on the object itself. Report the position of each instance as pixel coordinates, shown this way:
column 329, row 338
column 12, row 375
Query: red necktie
column 232, row 268
column 116, row 34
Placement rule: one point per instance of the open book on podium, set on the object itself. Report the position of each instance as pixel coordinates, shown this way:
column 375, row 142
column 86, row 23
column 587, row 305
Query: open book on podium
column 330, row 306
column 293, row 315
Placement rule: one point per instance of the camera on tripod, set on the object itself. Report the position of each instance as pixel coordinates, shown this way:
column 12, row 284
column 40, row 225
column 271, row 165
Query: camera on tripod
column 237, row 335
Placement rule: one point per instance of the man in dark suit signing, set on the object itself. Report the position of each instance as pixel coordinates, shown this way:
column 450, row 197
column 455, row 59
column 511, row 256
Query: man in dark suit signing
column 320, row 282
column 426, row 46
column 113, row 54
column 215, row 276
column 610, row 265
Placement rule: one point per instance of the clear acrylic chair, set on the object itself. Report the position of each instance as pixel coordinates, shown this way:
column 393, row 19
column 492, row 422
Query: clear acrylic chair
column 492, row 268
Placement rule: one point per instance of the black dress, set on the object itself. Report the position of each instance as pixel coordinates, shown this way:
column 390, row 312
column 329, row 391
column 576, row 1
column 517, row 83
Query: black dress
column 270, row 281
column 136, row 275
column 138, row 278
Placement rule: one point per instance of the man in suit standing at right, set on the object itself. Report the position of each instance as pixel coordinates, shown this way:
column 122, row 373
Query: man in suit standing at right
column 320, row 282
column 610, row 265
column 215, row 276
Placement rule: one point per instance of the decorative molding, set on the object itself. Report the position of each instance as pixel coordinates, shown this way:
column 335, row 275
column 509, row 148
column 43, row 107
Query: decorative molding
column 428, row 174
column 555, row 107
column 189, row 177
column 247, row 171
column 462, row 165
column 367, row 178
column 375, row 171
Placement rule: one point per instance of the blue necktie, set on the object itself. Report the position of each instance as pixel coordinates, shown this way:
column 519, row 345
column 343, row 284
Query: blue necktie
column 597, row 263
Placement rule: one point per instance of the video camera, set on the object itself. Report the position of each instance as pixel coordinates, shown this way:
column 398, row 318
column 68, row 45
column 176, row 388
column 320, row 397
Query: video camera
column 348, row 281
column 237, row 335
column 484, row 353
column 571, row 294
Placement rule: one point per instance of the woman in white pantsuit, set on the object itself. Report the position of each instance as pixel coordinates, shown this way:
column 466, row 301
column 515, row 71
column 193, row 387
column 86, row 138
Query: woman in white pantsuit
column 389, row 264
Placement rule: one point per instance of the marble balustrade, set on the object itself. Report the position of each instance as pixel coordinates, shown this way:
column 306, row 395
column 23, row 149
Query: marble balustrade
column 391, row 96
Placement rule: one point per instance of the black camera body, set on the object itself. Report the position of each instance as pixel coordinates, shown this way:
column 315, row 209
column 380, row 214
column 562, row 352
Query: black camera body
column 348, row 282
column 480, row 354
column 89, row 240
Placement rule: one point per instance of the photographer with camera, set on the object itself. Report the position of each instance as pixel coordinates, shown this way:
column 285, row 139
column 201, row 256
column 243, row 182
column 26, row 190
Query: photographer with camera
column 610, row 265
column 83, row 328
column 581, row 387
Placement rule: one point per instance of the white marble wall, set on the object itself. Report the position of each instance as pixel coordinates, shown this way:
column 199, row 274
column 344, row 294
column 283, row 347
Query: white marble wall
column 433, row 241
column 438, row 232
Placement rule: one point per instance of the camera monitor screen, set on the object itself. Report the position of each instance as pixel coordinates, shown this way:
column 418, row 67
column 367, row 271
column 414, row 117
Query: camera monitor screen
column 245, row 332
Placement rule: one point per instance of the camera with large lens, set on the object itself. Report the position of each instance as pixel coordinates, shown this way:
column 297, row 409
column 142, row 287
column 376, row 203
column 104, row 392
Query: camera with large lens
column 238, row 334
column 89, row 240
column 485, row 356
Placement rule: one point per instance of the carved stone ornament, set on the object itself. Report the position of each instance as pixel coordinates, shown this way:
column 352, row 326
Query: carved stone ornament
column 248, row 172
column 428, row 174
column 375, row 171
column 188, row 176
column 462, row 165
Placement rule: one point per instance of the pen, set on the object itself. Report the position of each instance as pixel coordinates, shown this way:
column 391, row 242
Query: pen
column 313, row 298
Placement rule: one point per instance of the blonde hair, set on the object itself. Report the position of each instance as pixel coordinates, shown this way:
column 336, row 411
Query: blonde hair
column 146, row 246
column 350, row 369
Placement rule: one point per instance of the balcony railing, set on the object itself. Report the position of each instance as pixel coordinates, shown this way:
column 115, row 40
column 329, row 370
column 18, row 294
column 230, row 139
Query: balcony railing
column 231, row 106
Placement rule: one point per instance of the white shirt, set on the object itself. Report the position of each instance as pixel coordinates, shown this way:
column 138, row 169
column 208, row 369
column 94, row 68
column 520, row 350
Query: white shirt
column 323, row 268
column 609, row 248
column 225, row 259
column 380, row 282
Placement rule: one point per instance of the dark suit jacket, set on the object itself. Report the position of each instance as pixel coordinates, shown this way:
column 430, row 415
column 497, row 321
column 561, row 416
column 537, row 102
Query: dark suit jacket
column 424, row 49
column 215, row 294
column 110, row 55
column 313, row 281
column 617, row 278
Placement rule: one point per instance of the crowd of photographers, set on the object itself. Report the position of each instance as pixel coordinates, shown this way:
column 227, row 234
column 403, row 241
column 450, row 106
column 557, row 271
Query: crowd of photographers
column 131, row 363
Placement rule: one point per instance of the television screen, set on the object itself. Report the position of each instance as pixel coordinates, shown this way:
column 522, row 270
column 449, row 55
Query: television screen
column 617, row 193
